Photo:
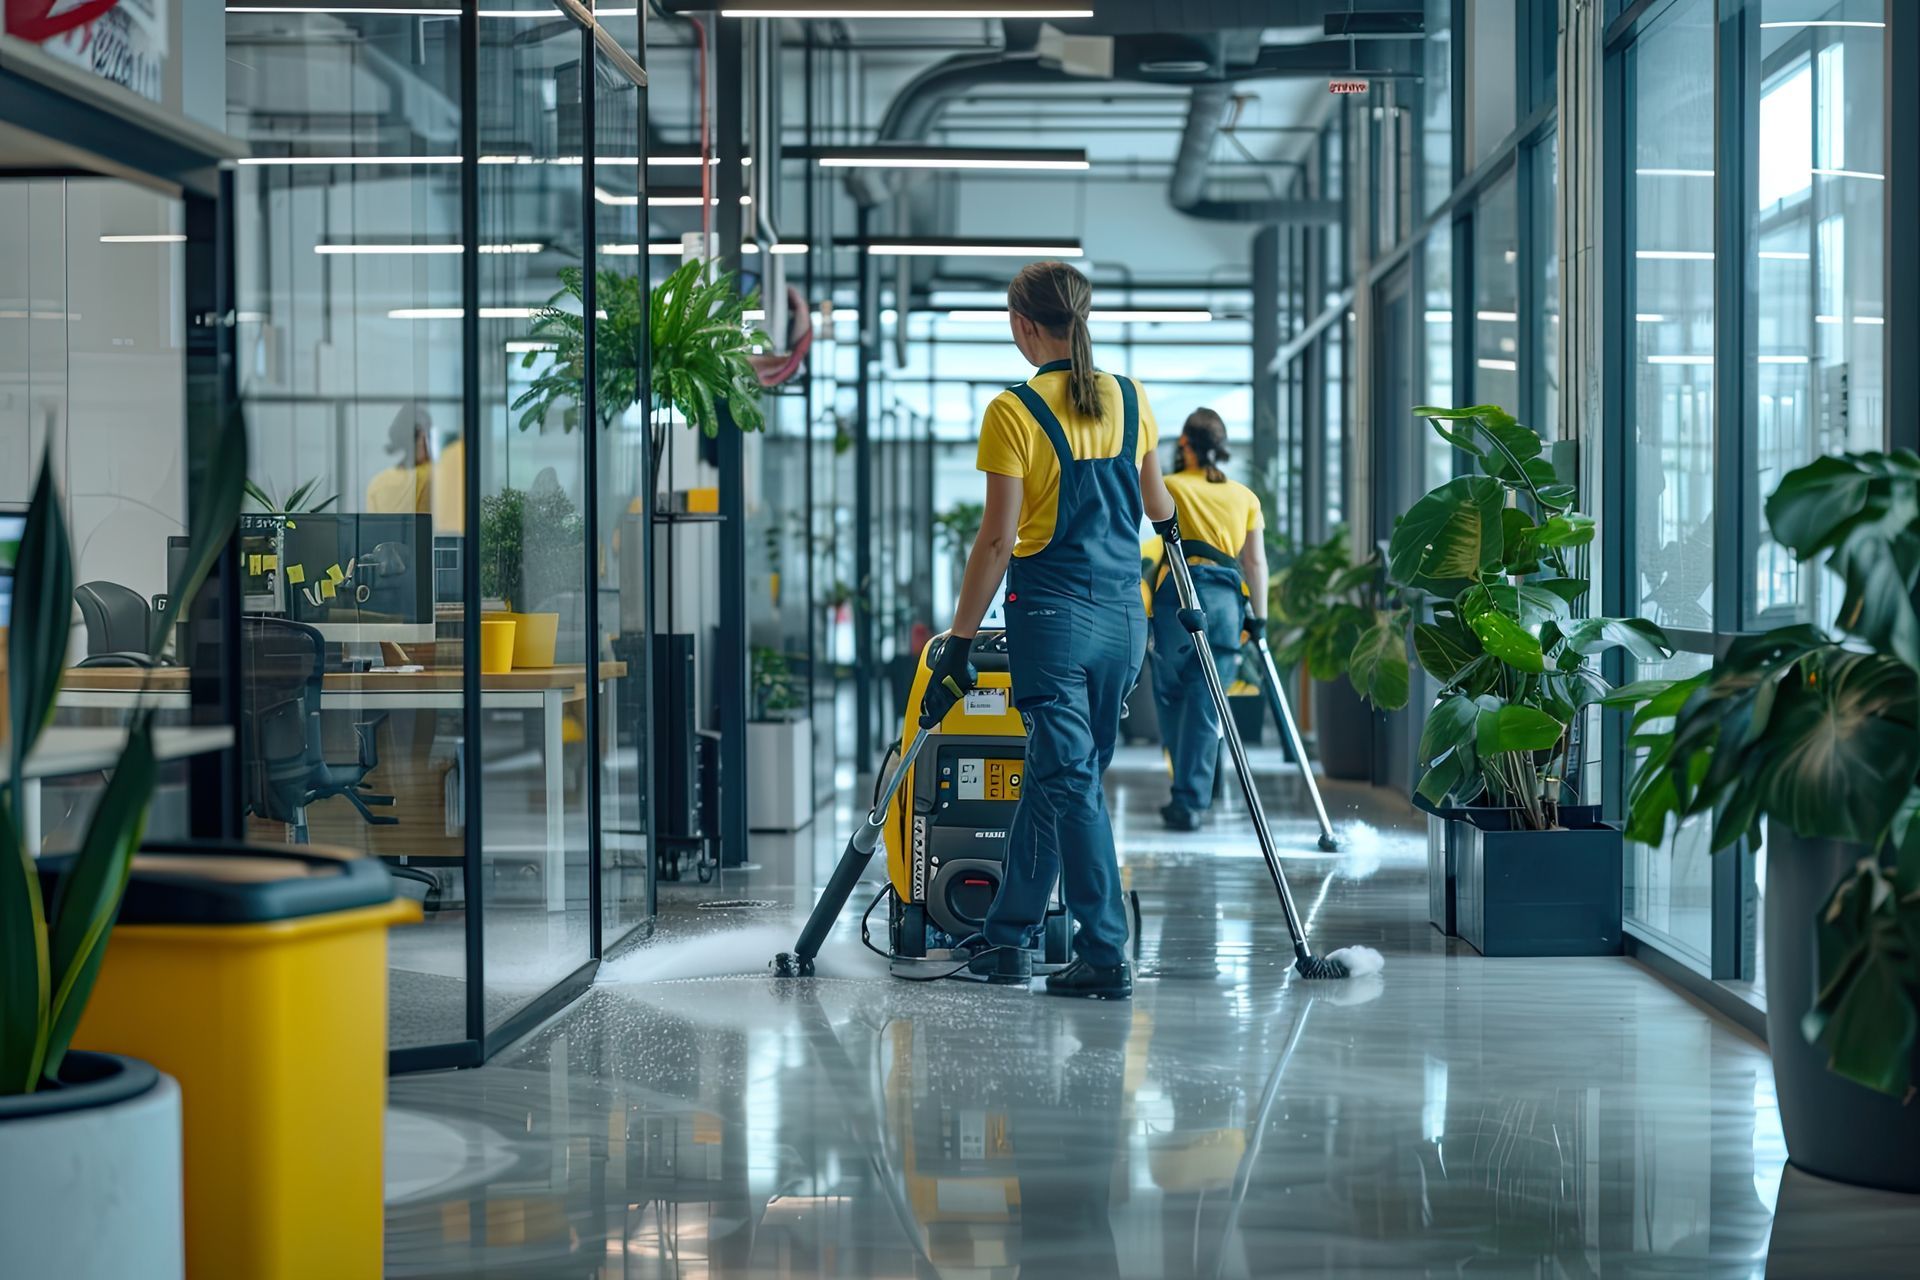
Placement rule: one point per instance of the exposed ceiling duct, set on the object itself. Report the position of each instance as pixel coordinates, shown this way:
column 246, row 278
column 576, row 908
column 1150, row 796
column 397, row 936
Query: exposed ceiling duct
column 1210, row 44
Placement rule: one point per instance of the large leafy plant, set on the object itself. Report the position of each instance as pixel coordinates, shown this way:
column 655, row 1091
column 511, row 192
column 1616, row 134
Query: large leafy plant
column 51, row 948
column 1819, row 734
column 695, row 325
column 1327, row 610
column 1496, row 556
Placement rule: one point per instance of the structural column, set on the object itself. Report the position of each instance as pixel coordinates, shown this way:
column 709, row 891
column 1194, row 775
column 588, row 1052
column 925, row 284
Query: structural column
column 730, row 648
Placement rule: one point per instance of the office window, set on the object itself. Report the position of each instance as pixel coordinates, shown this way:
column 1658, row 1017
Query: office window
column 1333, row 157
column 1436, row 342
column 1671, row 306
column 1493, row 77
column 1333, row 424
column 1669, row 887
column 1546, row 238
column 1496, row 297
column 1436, row 107
column 1817, row 231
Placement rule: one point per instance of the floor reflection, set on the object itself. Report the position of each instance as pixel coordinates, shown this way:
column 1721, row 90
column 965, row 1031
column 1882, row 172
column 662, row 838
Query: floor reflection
column 1456, row 1116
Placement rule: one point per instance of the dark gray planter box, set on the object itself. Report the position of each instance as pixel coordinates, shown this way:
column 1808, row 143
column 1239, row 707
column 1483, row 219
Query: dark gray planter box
column 1440, row 874
column 1538, row 893
column 1343, row 731
column 1834, row 1127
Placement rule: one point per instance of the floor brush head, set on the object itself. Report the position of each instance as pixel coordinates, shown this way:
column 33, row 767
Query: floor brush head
column 1347, row 962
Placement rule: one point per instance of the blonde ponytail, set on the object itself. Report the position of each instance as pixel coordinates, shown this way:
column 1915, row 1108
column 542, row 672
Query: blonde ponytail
column 1058, row 299
column 1083, row 381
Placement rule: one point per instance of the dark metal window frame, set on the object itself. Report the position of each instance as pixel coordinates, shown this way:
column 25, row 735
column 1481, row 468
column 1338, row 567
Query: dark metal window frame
column 1736, row 514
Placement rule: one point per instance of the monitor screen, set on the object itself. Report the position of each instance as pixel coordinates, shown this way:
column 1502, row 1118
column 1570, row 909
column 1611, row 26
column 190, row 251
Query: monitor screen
column 355, row 577
column 12, row 525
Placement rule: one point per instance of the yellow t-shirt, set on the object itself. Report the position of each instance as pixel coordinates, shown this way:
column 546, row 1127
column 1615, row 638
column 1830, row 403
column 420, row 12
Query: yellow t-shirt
column 399, row 490
column 1013, row 444
column 1220, row 515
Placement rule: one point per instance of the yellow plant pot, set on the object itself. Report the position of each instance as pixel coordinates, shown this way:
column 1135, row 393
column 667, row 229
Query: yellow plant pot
column 534, row 636
column 496, row 645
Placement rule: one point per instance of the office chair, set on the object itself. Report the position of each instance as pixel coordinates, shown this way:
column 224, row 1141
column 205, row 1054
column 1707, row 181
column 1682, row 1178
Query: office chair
column 283, row 665
column 119, row 625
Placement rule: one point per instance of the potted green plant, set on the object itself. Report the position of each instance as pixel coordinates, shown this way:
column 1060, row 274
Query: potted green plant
column 304, row 499
column 1328, row 611
column 90, row 1157
column 1809, row 742
column 1493, row 559
column 530, row 553
column 779, row 744
column 694, row 328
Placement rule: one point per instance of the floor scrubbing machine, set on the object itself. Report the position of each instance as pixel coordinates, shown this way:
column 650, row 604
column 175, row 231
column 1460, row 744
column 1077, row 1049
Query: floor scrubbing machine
column 944, row 804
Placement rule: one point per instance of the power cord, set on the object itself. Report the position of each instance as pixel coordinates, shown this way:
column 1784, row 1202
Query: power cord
column 866, row 937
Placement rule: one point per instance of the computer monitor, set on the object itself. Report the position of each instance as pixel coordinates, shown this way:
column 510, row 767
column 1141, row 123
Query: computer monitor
column 13, row 523
column 356, row 578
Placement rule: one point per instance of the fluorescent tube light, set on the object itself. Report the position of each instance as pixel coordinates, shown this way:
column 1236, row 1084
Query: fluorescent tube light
column 945, row 9
column 1783, row 359
column 347, row 160
column 1851, row 173
column 326, row 8
column 163, row 237
column 1499, row 366
column 1689, row 360
column 937, row 247
column 1675, row 255
column 1497, row 317
column 1097, row 316
column 1648, row 317
column 1439, row 317
column 987, row 158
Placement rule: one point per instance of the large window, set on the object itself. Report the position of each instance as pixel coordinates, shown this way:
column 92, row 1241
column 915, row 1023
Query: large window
column 1670, row 238
column 1496, row 297
column 1816, row 243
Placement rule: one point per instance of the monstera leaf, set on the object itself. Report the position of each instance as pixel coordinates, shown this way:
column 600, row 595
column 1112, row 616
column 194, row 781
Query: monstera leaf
column 1453, row 534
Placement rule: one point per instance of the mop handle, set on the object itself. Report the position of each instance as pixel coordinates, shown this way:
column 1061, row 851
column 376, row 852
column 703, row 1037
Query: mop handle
column 1193, row 618
column 1293, row 732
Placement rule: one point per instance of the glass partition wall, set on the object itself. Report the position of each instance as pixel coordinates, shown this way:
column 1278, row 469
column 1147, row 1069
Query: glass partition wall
column 438, row 260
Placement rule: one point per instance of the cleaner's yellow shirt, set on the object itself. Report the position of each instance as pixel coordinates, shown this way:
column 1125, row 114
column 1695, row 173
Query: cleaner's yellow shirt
column 1013, row 444
column 1220, row 515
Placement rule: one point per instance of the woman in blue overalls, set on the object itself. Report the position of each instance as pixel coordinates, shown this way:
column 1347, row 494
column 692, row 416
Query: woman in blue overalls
column 1070, row 467
column 1221, row 524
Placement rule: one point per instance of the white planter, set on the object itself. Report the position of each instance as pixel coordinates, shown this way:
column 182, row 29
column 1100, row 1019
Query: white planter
column 779, row 774
column 90, row 1175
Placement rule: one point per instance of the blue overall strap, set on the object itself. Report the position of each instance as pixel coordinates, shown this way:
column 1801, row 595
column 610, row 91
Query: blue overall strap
column 1042, row 414
column 1130, row 415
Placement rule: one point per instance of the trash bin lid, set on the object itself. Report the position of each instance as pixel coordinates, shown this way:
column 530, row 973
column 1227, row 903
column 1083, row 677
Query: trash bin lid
column 229, row 882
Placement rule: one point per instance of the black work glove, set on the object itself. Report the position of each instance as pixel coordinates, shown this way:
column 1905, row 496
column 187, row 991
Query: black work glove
column 1252, row 628
column 1168, row 528
column 950, row 676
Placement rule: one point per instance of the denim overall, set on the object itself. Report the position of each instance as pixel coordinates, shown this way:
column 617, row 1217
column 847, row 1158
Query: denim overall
column 1076, row 633
column 1189, row 722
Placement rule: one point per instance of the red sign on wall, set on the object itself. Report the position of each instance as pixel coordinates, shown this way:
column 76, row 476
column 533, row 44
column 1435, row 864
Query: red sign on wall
column 41, row 20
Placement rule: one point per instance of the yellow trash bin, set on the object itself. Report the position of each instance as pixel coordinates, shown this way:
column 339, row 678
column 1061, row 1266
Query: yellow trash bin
column 257, row 978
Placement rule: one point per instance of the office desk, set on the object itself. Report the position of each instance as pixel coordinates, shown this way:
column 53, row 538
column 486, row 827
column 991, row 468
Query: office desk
column 543, row 689
column 64, row 750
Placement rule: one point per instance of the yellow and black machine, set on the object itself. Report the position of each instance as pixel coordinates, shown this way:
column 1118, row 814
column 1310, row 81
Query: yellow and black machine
column 944, row 805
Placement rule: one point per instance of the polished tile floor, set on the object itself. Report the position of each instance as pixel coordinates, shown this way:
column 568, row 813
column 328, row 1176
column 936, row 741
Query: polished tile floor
column 1455, row 1116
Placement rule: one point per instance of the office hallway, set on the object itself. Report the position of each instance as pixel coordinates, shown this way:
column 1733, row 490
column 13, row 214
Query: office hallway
column 1454, row 1116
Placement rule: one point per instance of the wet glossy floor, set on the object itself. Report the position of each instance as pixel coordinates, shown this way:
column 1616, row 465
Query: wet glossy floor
column 1456, row 1116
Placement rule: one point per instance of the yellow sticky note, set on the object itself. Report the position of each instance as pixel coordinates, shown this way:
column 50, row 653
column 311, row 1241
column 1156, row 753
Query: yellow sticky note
column 296, row 574
column 326, row 588
column 334, row 571
column 253, row 565
column 269, row 561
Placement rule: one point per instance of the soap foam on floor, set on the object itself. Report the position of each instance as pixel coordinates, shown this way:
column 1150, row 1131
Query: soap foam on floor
column 731, row 953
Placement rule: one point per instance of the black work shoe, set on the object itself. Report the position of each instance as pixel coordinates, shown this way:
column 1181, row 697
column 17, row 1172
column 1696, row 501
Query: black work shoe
column 1178, row 819
column 1092, row 982
column 996, row 964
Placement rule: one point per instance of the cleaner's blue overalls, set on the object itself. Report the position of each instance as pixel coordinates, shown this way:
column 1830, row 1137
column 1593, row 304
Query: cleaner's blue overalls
column 1189, row 722
column 1076, row 632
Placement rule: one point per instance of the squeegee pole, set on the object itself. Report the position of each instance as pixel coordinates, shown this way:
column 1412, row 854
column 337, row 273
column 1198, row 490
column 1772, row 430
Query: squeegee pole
column 1193, row 618
column 853, row 862
column 1283, row 712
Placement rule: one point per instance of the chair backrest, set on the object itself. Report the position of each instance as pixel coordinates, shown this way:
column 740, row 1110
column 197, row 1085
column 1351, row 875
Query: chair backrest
column 282, row 666
column 118, row 619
